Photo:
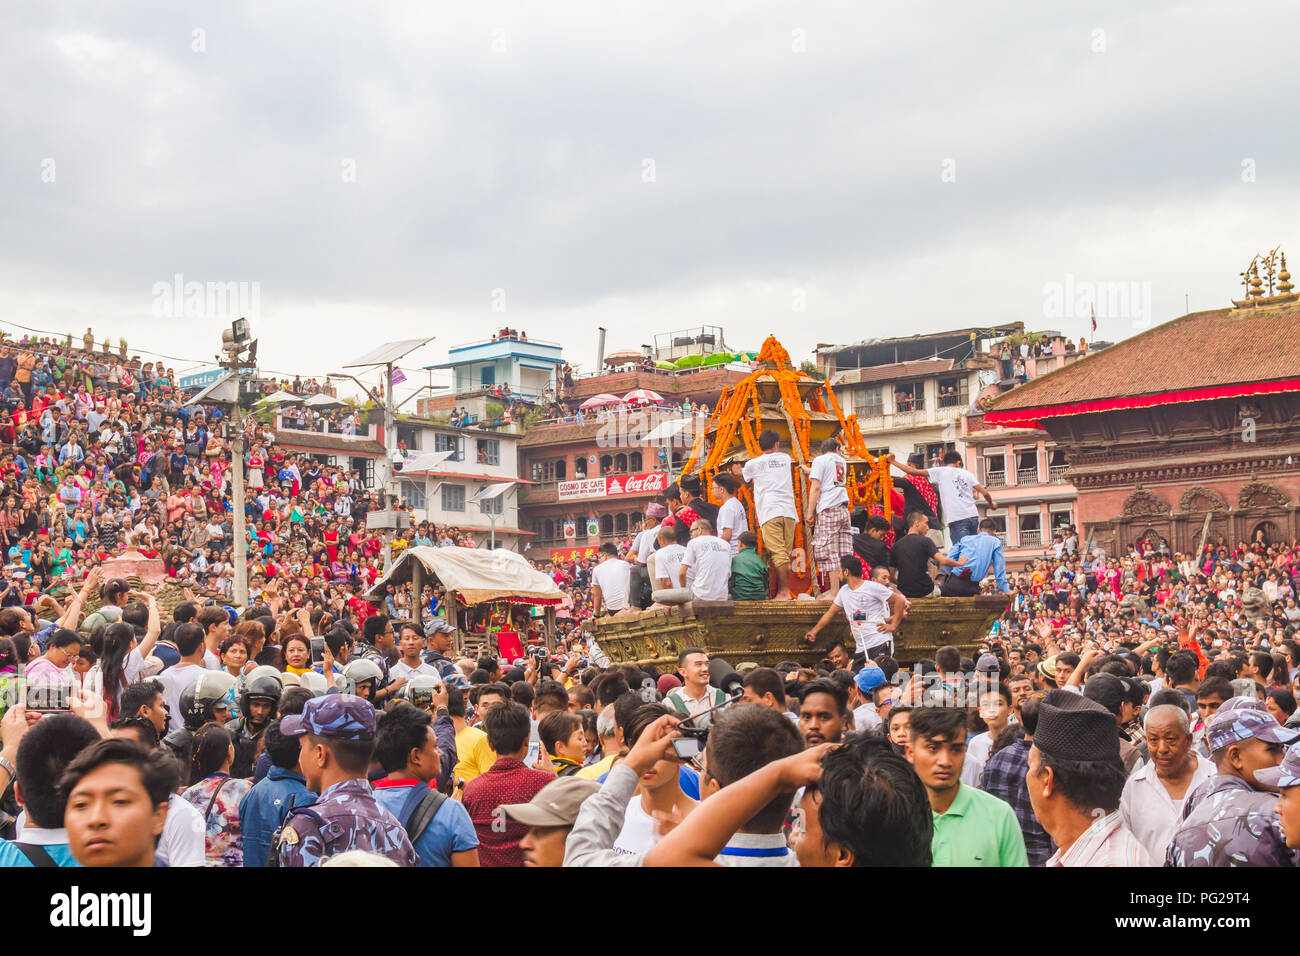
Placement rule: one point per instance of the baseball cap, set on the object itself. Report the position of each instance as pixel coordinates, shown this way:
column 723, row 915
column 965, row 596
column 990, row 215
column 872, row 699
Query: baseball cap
column 556, row 804
column 1286, row 774
column 438, row 626
column 339, row 716
column 1242, row 718
column 869, row 678
column 987, row 664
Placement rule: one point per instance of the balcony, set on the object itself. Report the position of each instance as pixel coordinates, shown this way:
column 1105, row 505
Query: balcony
column 953, row 401
column 1031, row 538
column 996, row 479
column 1056, row 474
column 1026, row 476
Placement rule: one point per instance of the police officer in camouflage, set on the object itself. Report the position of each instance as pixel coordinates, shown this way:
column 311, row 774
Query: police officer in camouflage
column 336, row 738
column 1229, row 819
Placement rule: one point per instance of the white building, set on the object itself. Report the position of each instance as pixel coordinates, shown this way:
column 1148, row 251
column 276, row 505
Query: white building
column 910, row 394
column 442, row 490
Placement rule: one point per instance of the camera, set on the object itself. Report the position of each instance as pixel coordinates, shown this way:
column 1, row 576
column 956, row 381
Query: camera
column 397, row 461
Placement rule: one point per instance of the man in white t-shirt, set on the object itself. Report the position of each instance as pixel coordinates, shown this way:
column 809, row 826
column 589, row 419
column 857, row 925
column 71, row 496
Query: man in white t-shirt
column 609, row 581
column 188, row 639
column 957, row 488
column 874, row 608
column 666, row 560
column 774, row 506
column 710, row 556
column 828, row 507
column 645, row 542
column 732, row 520
column 410, row 645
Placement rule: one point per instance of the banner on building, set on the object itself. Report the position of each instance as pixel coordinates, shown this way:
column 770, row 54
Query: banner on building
column 570, row 529
column 560, row 555
column 649, row 483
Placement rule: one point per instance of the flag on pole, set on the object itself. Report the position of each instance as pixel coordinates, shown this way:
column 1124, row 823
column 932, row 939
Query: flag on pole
column 1094, row 326
column 399, row 377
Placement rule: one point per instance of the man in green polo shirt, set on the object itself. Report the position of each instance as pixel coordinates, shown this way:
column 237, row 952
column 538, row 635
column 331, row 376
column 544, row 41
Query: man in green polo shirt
column 971, row 828
column 748, row 571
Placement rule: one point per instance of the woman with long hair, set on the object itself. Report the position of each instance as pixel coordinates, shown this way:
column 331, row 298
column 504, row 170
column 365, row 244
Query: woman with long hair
column 121, row 659
column 216, row 795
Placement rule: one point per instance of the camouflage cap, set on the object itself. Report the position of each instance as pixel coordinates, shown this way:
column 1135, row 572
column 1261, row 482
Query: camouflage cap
column 1286, row 774
column 1242, row 718
column 340, row 716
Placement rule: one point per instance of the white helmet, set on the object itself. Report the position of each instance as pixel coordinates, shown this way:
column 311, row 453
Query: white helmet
column 316, row 683
column 358, row 672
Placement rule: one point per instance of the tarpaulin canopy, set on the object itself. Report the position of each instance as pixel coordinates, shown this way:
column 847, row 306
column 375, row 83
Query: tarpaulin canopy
column 476, row 575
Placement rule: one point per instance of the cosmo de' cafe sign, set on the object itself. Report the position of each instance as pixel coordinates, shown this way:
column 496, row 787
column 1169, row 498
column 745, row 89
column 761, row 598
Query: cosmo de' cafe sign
column 651, row 483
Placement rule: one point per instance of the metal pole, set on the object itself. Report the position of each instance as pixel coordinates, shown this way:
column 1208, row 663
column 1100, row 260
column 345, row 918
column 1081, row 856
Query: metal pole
column 237, row 493
column 390, row 444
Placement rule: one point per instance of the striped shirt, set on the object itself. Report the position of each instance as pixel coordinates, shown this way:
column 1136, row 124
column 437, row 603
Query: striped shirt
column 1105, row 843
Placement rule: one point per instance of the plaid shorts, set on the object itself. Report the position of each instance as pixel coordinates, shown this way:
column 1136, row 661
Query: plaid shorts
column 832, row 538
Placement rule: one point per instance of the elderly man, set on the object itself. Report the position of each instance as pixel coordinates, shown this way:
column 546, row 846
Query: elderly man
column 1075, row 780
column 1152, row 803
column 1229, row 820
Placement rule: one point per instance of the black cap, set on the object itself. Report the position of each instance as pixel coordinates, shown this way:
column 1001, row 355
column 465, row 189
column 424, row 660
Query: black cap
column 1072, row 727
column 1107, row 690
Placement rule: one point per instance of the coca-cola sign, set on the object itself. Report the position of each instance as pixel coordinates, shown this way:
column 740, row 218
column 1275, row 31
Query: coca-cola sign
column 652, row 483
column 649, row 483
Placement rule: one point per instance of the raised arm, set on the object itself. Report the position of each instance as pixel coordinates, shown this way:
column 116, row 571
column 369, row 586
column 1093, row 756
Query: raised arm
column 698, row 839
column 906, row 468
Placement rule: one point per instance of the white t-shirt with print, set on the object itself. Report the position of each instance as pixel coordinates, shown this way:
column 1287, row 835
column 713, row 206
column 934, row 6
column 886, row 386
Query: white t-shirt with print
column 867, row 609
column 956, row 487
column 831, row 470
column 710, row 556
column 180, row 676
column 732, row 515
column 667, row 560
column 773, row 486
column 638, row 833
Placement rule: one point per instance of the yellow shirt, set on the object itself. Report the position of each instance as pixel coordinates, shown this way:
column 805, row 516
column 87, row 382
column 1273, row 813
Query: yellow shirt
column 598, row 769
column 473, row 755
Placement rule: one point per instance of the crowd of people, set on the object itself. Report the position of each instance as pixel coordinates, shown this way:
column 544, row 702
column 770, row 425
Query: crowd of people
column 1131, row 709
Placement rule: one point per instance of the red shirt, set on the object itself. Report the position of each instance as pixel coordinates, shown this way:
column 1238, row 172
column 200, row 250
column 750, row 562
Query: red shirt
column 507, row 781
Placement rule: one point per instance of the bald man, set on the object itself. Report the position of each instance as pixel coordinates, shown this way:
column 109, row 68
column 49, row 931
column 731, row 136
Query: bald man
column 1151, row 805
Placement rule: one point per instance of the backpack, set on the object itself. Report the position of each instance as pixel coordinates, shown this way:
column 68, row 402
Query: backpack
column 418, row 810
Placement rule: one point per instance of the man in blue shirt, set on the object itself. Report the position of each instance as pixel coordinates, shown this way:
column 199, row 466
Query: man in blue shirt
column 274, row 797
column 407, row 748
column 40, row 753
column 981, row 551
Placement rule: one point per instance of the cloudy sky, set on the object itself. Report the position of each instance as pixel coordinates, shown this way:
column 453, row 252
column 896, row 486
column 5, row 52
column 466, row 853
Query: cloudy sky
column 824, row 171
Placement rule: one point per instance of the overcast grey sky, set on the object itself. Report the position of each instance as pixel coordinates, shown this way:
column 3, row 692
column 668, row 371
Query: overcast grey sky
column 380, row 171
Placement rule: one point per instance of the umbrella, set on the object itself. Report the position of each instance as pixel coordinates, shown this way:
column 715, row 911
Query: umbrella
column 604, row 398
column 624, row 357
column 322, row 401
column 282, row 398
column 643, row 395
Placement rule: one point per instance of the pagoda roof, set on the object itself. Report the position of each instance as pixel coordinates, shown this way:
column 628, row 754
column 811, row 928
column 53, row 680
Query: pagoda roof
column 1201, row 356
